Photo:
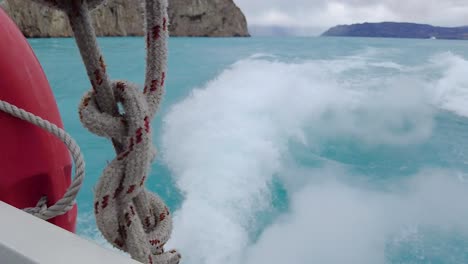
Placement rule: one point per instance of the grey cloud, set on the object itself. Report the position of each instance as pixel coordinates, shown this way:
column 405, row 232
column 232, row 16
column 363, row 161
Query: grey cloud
column 321, row 14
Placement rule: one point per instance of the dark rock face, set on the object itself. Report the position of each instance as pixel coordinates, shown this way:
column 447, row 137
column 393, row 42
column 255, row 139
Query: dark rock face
column 213, row 18
column 397, row 30
column 210, row 18
column 119, row 18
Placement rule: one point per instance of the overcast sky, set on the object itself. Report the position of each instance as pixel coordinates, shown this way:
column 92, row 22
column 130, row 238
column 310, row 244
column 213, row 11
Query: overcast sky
column 322, row 14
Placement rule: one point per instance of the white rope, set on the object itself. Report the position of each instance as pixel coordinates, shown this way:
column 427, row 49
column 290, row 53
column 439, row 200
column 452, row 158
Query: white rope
column 68, row 201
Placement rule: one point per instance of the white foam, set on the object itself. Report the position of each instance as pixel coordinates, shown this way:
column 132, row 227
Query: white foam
column 451, row 89
column 335, row 223
column 226, row 141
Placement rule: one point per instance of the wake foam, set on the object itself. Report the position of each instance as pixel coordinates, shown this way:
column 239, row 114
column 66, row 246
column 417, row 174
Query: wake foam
column 451, row 89
column 335, row 223
column 227, row 141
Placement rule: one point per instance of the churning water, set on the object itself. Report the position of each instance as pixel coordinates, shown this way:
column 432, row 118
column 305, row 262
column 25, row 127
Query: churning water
column 296, row 150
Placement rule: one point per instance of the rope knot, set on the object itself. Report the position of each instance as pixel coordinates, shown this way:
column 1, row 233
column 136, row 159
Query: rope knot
column 130, row 217
column 40, row 209
column 126, row 127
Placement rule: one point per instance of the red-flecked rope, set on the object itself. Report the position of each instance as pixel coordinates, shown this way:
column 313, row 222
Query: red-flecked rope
column 129, row 216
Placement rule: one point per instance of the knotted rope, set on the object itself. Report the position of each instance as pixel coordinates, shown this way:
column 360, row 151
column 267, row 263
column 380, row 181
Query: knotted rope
column 129, row 216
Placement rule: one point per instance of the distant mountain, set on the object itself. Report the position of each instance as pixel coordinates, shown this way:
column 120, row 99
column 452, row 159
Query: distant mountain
column 398, row 30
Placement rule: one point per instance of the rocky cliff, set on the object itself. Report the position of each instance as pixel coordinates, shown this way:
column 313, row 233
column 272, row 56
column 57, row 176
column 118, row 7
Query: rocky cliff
column 209, row 18
column 398, row 30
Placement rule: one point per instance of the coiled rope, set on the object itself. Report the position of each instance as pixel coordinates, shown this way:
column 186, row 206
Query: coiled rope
column 129, row 216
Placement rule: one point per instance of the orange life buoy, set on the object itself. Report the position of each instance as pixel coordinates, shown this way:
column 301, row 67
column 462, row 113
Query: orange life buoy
column 33, row 163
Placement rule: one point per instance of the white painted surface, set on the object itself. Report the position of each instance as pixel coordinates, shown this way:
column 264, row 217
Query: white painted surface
column 24, row 239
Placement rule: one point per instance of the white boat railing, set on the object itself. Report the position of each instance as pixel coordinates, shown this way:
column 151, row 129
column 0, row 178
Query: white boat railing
column 25, row 239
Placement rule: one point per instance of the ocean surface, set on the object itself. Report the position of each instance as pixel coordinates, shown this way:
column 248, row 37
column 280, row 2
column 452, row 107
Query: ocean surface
column 295, row 150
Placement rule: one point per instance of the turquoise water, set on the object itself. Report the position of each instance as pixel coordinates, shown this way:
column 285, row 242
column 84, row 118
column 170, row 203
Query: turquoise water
column 296, row 150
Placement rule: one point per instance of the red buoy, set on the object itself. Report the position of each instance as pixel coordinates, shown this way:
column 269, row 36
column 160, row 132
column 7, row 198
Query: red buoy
column 33, row 163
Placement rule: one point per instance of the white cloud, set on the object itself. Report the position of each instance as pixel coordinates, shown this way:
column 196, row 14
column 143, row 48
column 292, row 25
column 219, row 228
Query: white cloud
column 322, row 14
